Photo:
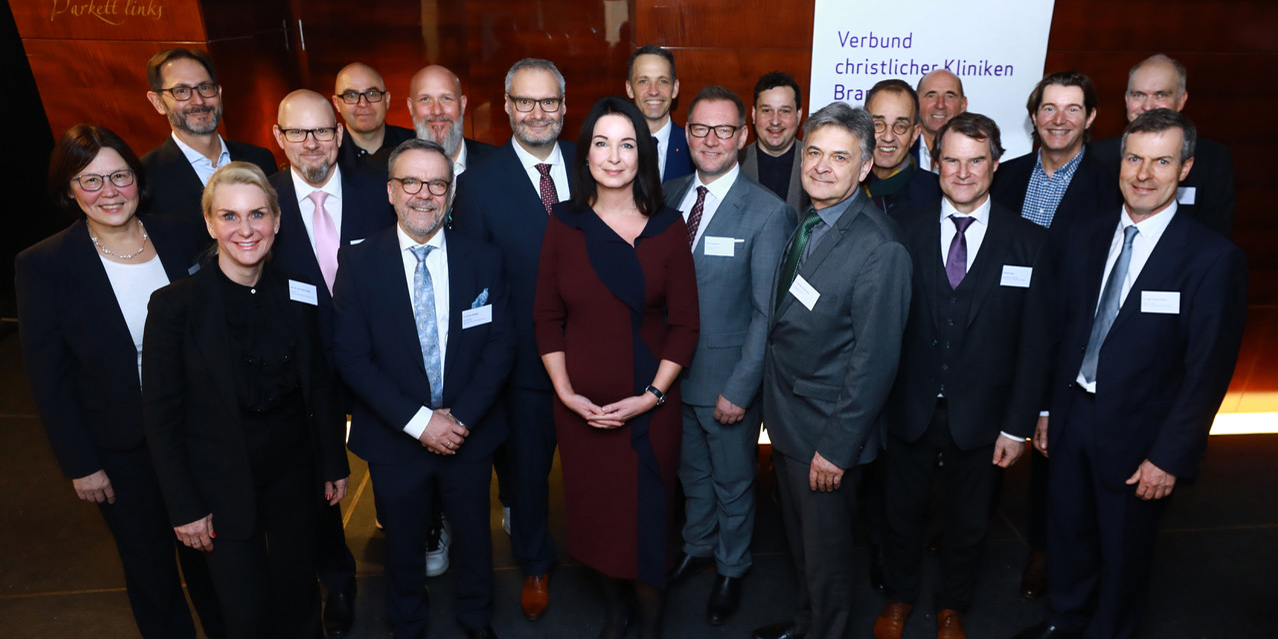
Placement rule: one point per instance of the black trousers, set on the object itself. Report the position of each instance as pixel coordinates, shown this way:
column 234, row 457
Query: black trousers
column 968, row 477
column 523, row 465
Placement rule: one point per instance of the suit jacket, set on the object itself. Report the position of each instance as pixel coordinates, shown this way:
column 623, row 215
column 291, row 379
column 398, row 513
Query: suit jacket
column 923, row 189
column 80, row 357
column 1160, row 378
column 678, row 158
column 827, row 371
column 497, row 204
column 478, row 152
column 192, row 411
column 176, row 188
column 1092, row 190
column 350, row 158
column 733, row 292
column 1211, row 178
column 998, row 377
column 795, row 197
column 380, row 356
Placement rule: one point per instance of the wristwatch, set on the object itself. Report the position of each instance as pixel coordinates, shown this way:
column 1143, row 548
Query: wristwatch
column 661, row 397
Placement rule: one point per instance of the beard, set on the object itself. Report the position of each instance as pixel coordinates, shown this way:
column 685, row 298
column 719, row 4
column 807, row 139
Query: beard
column 451, row 141
column 418, row 226
column 317, row 173
column 523, row 134
column 178, row 118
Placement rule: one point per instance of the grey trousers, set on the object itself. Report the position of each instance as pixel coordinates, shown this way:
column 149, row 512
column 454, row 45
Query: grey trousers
column 717, row 470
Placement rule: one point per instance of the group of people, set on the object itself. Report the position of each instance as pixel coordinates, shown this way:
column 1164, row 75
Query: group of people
column 883, row 296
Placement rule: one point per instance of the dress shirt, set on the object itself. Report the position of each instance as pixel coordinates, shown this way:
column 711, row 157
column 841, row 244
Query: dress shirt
column 718, row 190
column 558, row 172
column 925, row 156
column 975, row 233
column 1044, row 193
column 1148, row 232
column 459, row 165
column 133, row 285
column 333, row 204
column 203, row 166
column 437, row 266
column 662, row 136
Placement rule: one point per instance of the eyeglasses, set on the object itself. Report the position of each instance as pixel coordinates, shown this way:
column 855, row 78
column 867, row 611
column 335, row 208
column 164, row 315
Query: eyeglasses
column 524, row 105
column 90, row 182
column 322, row 134
column 182, row 93
column 721, row 131
column 413, row 186
column 372, row 95
column 898, row 127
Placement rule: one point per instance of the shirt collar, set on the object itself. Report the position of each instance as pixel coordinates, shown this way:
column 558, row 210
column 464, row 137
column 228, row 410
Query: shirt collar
column 459, row 165
column 981, row 214
column 663, row 134
column 194, row 156
column 720, row 187
column 406, row 243
column 333, row 187
column 831, row 214
column 529, row 160
column 1064, row 169
column 1152, row 227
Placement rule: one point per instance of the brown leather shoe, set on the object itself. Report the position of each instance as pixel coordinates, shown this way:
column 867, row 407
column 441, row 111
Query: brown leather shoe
column 891, row 621
column 536, row 596
column 949, row 625
column 1034, row 579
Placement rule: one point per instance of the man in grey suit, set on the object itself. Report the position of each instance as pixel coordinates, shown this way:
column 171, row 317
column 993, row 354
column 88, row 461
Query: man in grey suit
column 737, row 230
column 774, row 158
column 839, row 306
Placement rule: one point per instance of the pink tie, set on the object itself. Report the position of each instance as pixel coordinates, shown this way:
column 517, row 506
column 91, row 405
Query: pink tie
column 326, row 240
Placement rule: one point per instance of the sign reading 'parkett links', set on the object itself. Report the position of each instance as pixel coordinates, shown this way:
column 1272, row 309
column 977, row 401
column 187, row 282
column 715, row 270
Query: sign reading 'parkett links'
column 996, row 47
column 113, row 12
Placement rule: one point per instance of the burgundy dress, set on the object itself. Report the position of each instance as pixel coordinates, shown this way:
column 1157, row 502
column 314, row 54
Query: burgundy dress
column 616, row 311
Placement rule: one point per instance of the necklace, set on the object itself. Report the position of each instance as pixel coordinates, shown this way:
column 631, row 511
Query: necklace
column 107, row 251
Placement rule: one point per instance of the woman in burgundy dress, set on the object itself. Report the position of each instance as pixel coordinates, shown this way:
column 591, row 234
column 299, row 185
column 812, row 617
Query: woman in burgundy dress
column 616, row 317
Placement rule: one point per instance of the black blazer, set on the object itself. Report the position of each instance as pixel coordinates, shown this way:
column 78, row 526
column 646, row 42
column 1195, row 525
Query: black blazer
column 175, row 187
column 1092, row 191
column 191, row 409
column 380, row 357
column 678, row 157
column 998, row 379
column 1212, row 179
column 478, row 152
column 79, row 355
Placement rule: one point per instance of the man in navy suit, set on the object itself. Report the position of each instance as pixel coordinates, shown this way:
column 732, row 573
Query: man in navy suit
column 425, row 339
column 505, row 201
column 896, row 182
column 1153, row 308
column 360, row 96
column 652, row 84
column 438, row 106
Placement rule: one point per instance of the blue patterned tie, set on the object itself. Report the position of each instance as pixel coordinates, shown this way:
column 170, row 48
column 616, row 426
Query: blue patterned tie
column 1107, row 309
column 427, row 328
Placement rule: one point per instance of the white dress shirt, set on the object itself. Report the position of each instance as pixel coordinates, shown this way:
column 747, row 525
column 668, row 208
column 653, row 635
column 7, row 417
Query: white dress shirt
column 332, row 204
column 662, row 136
column 975, row 233
column 437, row 266
column 558, row 172
column 459, row 165
column 718, row 190
column 204, row 167
column 925, row 155
column 133, row 285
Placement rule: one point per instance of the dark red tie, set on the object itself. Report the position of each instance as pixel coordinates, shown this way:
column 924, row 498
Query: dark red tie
column 548, row 193
column 694, row 218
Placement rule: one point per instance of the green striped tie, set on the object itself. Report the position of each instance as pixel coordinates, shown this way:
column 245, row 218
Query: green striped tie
column 792, row 256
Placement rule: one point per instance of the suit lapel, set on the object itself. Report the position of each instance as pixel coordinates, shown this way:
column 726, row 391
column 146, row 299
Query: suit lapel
column 461, row 284
column 1159, row 270
column 807, row 267
column 930, row 262
column 1097, row 246
column 84, row 267
column 210, row 326
column 985, row 268
column 183, row 171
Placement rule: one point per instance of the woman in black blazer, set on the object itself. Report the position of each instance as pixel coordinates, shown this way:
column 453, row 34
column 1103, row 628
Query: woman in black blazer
column 239, row 417
column 82, row 297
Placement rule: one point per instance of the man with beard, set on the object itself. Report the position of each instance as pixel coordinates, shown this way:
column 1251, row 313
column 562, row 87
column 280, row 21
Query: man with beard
column 653, row 87
column 896, row 183
column 183, row 87
column 360, row 95
column 439, row 109
column 321, row 208
column 506, row 201
column 773, row 160
column 940, row 98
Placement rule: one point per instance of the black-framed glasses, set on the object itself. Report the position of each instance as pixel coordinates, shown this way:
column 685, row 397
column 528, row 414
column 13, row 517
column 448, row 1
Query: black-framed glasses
column 721, row 131
column 372, row 95
column 898, row 127
column 524, row 105
column 182, row 93
column 322, row 134
column 413, row 186
column 90, row 182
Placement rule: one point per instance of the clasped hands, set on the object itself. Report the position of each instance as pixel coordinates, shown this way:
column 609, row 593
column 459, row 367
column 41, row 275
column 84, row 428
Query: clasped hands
column 614, row 415
column 443, row 434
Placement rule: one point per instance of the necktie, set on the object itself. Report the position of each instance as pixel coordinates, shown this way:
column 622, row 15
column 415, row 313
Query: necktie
column 694, row 217
column 795, row 253
column 956, row 260
column 326, row 240
column 548, row 193
column 1107, row 309
column 427, row 328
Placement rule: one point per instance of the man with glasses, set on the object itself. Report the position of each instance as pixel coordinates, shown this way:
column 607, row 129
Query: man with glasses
column 360, row 95
column 322, row 208
column 896, row 182
column 506, row 201
column 737, row 230
column 774, row 159
column 652, row 84
column 183, row 87
column 438, row 107
column 426, row 341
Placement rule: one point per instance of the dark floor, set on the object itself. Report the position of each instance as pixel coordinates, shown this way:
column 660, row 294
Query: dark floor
column 1216, row 573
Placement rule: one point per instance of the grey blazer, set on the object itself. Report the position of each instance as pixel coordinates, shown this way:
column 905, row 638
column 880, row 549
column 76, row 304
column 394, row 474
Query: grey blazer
column 827, row 371
column 734, row 292
column 795, row 197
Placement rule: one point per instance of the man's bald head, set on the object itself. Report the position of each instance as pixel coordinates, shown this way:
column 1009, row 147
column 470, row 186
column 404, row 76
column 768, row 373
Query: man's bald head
column 435, row 99
column 360, row 95
column 307, row 130
column 940, row 98
column 1157, row 82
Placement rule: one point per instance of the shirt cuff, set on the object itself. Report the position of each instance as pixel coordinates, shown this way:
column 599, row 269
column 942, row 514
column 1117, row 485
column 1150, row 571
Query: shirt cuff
column 417, row 425
column 1011, row 436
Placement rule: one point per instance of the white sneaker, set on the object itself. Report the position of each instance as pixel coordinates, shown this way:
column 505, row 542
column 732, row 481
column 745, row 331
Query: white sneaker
column 437, row 550
column 505, row 519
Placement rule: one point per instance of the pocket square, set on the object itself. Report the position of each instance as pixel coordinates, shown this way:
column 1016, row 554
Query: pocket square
column 481, row 300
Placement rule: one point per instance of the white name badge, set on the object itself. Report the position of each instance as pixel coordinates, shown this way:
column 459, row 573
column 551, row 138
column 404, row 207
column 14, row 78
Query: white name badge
column 1186, row 194
column 303, row 292
column 1164, row 302
column 807, row 295
column 473, row 317
column 720, row 246
column 1018, row 276
column 354, row 242
column 195, row 268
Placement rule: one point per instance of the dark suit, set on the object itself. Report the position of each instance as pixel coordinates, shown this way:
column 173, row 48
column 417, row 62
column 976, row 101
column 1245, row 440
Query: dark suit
column 478, row 152
column 380, row 356
column 82, row 365
column 353, row 157
column 826, row 377
column 1211, row 179
column 1160, row 379
column 497, row 203
column 176, row 188
column 795, row 197
column 922, row 189
column 1094, row 188
column 678, row 158
column 983, row 348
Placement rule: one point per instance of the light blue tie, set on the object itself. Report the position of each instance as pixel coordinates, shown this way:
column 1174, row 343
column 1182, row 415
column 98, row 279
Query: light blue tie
column 427, row 328
column 1107, row 310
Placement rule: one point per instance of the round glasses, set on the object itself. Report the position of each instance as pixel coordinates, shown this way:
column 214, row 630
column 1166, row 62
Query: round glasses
column 413, row 186
column 898, row 127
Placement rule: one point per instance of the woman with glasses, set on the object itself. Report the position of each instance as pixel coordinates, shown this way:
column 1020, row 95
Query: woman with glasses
column 239, row 416
column 82, row 305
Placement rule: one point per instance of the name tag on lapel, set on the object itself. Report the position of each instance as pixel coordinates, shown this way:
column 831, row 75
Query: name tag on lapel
column 804, row 292
column 195, row 268
column 473, row 317
column 1162, row 302
column 1018, row 276
column 303, row 292
column 720, row 246
column 1186, row 194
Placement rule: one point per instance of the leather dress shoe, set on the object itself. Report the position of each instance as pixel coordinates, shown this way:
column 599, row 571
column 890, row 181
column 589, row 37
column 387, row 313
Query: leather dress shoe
column 1034, row 579
column 725, row 596
column 949, row 625
column 890, row 623
column 778, row 631
column 481, row 633
column 339, row 612
column 536, row 596
column 1046, row 631
column 690, row 565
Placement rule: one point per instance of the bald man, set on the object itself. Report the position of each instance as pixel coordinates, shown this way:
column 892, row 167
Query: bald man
column 940, row 99
column 360, row 96
column 438, row 106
